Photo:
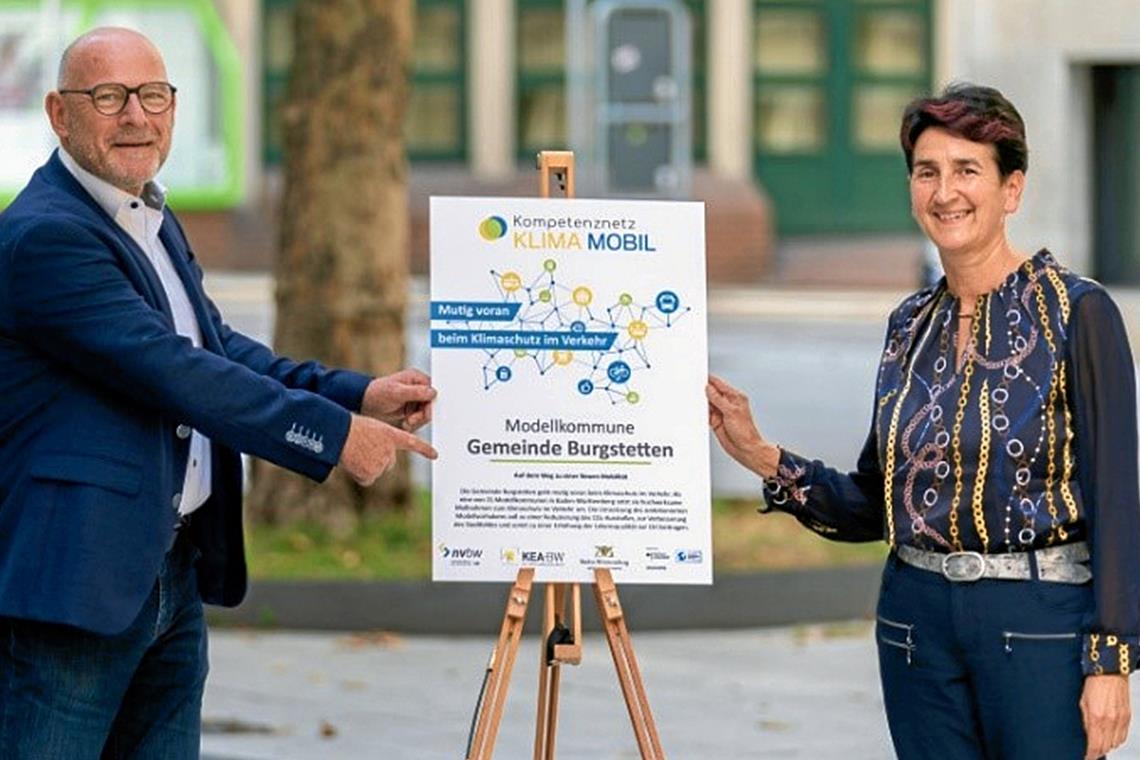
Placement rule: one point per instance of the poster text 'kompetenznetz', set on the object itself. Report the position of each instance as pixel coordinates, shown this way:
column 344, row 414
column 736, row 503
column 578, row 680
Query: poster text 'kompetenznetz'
column 569, row 348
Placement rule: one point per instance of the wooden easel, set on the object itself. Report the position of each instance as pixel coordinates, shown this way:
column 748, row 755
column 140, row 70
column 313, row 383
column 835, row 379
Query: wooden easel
column 561, row 644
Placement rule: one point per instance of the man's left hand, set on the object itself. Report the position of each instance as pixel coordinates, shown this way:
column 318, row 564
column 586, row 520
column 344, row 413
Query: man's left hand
column 1106, row 712
column 402, row 399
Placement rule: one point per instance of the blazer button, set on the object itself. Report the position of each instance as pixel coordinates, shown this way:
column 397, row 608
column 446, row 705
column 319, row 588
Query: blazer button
column 183, row 431
column 176, row 500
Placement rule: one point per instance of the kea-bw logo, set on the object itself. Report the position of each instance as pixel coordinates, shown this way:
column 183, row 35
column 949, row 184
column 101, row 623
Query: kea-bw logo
column 548, row 559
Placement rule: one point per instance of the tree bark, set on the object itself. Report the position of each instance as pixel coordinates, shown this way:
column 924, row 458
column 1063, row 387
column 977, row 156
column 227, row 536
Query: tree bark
column 342, row 264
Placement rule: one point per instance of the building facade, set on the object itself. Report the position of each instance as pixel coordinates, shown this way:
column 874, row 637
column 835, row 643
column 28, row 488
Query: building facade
column 1073, row 70
column 802, row 95
column 795, row 105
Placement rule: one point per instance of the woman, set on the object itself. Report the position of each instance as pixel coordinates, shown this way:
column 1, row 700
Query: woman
column 1001, row 468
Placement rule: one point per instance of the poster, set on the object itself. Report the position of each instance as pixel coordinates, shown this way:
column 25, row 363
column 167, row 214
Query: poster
column 569, row 348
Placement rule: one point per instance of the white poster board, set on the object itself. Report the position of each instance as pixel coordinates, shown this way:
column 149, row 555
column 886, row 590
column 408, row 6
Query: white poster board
column 569, row 348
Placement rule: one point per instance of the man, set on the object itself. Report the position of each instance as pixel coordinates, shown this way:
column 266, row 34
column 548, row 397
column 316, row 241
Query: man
column 124, row 401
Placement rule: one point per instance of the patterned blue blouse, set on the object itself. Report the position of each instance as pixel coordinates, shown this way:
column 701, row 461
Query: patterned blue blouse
column 1030, row 443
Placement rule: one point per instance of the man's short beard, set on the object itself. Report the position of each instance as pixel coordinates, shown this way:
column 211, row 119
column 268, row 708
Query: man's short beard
column 86, row 156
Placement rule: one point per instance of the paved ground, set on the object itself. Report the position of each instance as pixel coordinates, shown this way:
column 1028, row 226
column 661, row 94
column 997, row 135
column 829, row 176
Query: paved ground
column 786, row 693
column 804, row 692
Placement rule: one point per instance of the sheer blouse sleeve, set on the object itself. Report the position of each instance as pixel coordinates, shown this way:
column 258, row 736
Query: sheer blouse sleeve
column 841, row 506
column 1104, row 409
column 836, row 505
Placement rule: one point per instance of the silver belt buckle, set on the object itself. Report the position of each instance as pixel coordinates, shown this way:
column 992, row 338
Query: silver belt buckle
column 963, row 566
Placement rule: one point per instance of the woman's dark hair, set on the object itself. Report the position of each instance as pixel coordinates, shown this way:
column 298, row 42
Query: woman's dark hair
column 980, row 114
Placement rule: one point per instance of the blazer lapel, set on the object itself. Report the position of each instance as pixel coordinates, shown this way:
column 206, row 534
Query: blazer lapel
column 63, row 179
column 178, row 247
column 157, row 292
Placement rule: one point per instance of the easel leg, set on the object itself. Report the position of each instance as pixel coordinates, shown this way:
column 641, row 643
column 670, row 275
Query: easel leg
column 549, row 672
column 498, row 679
column 560, row 645
column 625, row 661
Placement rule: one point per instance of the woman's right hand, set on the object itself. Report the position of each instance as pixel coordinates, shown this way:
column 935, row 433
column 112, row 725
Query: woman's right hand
column 730, row 418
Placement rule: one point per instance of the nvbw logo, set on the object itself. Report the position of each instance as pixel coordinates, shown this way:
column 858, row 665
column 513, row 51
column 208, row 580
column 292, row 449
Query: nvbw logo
column 448, row 552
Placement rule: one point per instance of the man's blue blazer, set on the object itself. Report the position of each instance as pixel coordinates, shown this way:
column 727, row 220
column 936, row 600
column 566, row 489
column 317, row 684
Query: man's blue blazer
column 97, row 396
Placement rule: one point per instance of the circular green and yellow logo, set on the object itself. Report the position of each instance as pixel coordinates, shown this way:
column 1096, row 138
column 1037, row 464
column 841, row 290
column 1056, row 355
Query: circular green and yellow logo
column 492, row 228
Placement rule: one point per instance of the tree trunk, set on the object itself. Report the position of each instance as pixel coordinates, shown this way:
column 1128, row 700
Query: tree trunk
column 342, row 265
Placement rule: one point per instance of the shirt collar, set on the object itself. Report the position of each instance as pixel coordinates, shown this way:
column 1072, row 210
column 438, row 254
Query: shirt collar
column 110, row 198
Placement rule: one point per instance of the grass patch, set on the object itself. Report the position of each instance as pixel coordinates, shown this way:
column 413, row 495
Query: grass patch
column 398, row 546
column 744, row 541
column 386, row 547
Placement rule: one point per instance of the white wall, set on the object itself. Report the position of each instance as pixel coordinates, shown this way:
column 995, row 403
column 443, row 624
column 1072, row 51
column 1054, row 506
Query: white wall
column 1038, row 53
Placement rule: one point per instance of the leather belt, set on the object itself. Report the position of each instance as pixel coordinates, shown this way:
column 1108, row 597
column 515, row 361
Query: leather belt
column 1056, row 564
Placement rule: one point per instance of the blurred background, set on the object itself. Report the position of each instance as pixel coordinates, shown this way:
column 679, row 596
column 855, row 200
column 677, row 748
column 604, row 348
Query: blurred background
column 789, row 130
column 782, row 116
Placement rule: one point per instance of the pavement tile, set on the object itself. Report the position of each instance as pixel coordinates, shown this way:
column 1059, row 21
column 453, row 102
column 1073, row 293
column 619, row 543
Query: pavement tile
column 796, row 692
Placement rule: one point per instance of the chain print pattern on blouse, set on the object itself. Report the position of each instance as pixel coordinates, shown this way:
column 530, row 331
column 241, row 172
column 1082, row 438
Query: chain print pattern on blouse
column 996, row 433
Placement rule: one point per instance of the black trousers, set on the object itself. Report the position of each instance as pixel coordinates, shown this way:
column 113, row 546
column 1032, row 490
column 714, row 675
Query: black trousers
column 985, row 670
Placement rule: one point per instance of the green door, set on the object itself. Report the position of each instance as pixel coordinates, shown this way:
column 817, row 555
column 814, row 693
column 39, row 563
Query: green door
column 540, row 56
column 831, row 78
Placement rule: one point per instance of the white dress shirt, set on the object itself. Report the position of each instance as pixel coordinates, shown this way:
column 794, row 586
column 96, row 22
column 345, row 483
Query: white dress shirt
column 141, row 218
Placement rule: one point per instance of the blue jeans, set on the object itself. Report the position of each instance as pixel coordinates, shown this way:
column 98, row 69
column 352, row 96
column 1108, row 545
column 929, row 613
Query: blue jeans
column 989, row 670
column 66, row 694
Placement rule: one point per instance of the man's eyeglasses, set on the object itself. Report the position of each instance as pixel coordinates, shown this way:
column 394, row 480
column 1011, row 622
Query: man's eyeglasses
column 110, row 99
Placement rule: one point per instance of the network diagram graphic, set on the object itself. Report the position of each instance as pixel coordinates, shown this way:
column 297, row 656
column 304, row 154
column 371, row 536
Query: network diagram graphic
column 547, row 305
